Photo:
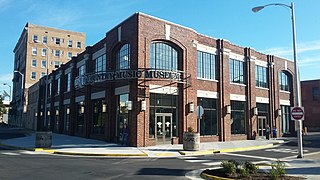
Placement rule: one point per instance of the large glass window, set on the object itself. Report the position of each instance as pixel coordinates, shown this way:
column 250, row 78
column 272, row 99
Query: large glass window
column 80, row 118
column 284, row 81
column 236, row 71
column 285, row 118
column 58, row 86
column 123, row 57
column 101, row 63
column 123, row 119
column 56, row 120
column 66, row 123
column 208, row 121
column 206, row 65
column 315, row 93
column 99, row 116
column 163, row 56
column 261, row 76
column 163, row 103
column 238, row 117
column 81, row 70
column 68, row 82
column 263, row 110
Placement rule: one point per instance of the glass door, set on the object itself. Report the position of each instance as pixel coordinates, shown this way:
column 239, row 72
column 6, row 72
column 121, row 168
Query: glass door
column 262, row 126
column 163, row 127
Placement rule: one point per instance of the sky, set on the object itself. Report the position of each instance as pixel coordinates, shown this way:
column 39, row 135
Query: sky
column 268, row 31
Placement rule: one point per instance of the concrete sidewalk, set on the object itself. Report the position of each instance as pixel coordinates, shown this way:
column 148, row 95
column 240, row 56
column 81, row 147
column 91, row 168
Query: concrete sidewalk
column 72, row 145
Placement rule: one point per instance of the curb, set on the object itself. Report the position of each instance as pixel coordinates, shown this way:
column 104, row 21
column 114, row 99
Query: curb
column 207, row 176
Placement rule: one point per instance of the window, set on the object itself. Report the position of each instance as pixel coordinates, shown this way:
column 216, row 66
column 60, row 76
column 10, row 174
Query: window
column 98, row 119
column 206, row 65
column 69, row 55
column 78, row 44
column 238, row 117
column 236, row 71
column 315, row 93
column 82, row 70
column 123, row 57
column 285, row 118
column 34, row 51
column 57, row 53
column 284, row 81
column 49, row 89
column 58, row 41
column 44, row 52
column 56, row 64
column 208, row 122
column 34, row 63
column 43, row 74
column 44, row 39
column 58, row 86
column 35, row 38
column 101, row 63
column 261, row 76
column 43, row 64
column 68, row 82
column 70, row 43
column 33, row 75
column 163, row 56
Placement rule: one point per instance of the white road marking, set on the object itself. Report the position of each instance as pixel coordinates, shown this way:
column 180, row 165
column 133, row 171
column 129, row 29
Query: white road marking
column 197, row 160
column 249, row 156
column 187, row 157
column 10, row 154
column 212, row 163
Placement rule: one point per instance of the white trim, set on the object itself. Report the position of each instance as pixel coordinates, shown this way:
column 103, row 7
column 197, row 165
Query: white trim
column 285, row 102
column 238, row 97
column 207, row 94
column 98, row 95
column 285, row 65
column 99, row 53
column 66, row 101
column 163, row 89
column 287, row 92
column 262, row 88
column 119, row 33
column 122, row 90
column 236, row 56
column 262, row 100
column 261, row 63
column 79, row 99
column 238, row 84
column 207, row 49
column 205, row 79
column 167, row 31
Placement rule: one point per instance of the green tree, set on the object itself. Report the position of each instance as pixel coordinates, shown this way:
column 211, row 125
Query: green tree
column 3, row 109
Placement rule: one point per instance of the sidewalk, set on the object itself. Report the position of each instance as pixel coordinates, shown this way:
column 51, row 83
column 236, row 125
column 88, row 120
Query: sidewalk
column 72, row 145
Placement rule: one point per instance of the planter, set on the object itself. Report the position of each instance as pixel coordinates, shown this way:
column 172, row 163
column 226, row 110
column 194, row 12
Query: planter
column 191, row 141
column 43, row 139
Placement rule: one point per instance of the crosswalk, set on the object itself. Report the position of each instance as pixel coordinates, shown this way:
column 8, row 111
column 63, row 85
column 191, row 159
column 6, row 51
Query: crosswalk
column 285, row 150
column 19, row 153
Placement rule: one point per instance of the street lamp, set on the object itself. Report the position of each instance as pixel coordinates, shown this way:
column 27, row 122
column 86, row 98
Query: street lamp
column 6, row 84
column 46, row 87
column 296, row 72
column 22, row 79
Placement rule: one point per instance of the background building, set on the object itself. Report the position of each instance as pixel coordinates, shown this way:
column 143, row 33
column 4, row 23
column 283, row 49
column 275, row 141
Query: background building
column 310, row 93
column 39, row 49
column 150, row 79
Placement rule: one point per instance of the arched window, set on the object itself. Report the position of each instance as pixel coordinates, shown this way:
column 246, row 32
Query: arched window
column 163, row 56
column 284, row 81
column 123, row 57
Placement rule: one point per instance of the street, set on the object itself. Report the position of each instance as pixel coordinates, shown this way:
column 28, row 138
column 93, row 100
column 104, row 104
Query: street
column 22, row 164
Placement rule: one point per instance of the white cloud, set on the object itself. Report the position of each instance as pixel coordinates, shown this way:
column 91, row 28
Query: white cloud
column 6, row 78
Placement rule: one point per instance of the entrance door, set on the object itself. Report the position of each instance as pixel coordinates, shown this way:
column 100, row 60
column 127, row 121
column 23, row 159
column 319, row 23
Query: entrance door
column 262, row 126
column 163, row 127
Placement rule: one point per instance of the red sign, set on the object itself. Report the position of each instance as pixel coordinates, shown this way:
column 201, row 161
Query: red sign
column 297, row 113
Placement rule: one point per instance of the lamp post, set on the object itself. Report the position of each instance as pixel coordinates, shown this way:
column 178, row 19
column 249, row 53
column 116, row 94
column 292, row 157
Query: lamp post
column 6, row 84
column 46, row 85
column 22, row 79
column 296, row 71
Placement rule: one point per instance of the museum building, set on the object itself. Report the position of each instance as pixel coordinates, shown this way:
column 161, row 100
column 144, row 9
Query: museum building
column 149, row 80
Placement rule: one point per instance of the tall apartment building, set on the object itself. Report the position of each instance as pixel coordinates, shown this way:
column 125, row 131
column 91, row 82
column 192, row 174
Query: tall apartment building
column 39, row 51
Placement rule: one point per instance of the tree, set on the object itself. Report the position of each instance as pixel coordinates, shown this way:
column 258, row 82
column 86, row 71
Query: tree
column 3, row 109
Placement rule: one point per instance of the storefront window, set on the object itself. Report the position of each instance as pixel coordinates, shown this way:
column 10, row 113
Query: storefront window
column 238, row 117
column 80, row 118
column 123, row 118
column 163, row 103
column 56, row 120
column 285, row 118
column 208, row 121
column 66, row 124
column 99, row 116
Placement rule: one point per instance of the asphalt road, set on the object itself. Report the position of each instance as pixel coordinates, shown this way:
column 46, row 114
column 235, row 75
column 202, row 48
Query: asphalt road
column 20, row 164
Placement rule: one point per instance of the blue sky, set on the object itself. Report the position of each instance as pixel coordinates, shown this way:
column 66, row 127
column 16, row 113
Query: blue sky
column 268, row 31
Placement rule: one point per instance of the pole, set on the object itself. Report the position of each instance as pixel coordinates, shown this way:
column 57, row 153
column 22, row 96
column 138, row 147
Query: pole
column 297, row 81
column 46, row 89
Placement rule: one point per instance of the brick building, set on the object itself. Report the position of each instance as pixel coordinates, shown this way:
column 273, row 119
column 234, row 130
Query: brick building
column 149, row 80
column 310, row 93
column 38, row 51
